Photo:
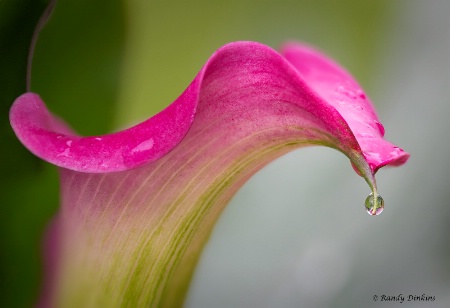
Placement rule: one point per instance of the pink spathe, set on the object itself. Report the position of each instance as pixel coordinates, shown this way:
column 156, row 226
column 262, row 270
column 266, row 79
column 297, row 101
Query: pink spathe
column 139, row 205
column 248, row 80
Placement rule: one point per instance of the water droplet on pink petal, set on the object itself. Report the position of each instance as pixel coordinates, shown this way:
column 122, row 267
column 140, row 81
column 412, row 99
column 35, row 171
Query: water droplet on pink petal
column 380, row 127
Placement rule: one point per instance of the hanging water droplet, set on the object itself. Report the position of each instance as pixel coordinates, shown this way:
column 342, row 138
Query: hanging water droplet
column 374, row 207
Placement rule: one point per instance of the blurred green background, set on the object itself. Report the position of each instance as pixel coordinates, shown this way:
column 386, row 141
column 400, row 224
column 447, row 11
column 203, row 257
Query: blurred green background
column 296, row 235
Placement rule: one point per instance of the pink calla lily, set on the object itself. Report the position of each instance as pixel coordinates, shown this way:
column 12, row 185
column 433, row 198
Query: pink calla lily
column 139, row 205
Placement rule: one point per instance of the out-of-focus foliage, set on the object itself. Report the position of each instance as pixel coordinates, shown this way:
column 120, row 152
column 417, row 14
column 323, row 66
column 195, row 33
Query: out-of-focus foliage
column 20, row 222
column 76, row 66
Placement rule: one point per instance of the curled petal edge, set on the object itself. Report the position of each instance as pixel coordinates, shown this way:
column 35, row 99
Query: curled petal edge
column 329, row 93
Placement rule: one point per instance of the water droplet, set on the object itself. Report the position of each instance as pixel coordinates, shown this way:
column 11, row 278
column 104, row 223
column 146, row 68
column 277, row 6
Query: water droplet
column 374, row 207
column 143, row 146
column 380, row 127
column 361, row 94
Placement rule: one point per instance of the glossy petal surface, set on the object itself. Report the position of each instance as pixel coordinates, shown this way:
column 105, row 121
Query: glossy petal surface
column 338, row 89
column 322, row 92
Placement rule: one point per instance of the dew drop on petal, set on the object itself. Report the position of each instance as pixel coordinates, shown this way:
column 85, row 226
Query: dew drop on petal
column 361, row 94
column 374, row 207
column 144, row 146
column 380, row 127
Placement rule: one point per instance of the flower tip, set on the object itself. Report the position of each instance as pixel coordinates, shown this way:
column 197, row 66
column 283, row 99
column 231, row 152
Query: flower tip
column 338, row 89
column 393, row 158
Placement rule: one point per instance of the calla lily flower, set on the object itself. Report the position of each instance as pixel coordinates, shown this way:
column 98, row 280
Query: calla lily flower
column 137, row 206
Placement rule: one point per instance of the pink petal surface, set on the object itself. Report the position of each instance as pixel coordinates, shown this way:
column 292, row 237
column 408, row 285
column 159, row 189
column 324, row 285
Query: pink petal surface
column 327, row 97
column 50, row 139
column 339, row 89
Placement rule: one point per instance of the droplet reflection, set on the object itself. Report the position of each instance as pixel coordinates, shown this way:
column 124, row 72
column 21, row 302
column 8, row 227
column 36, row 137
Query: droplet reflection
column 374, row 207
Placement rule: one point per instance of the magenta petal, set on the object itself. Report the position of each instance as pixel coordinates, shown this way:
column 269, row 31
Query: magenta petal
column 50, row 139
column 323, row 92
column 340, row 90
